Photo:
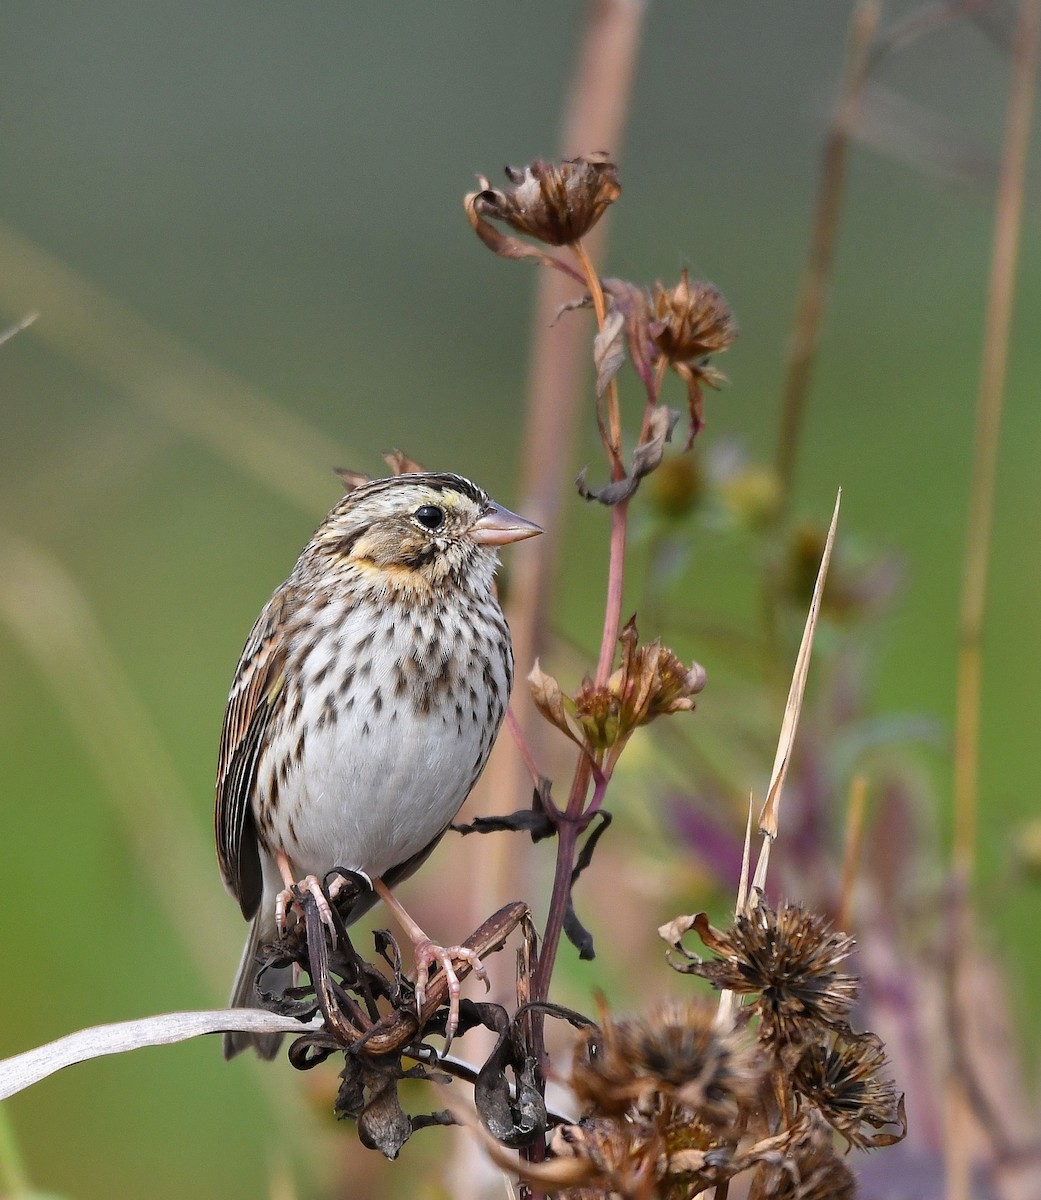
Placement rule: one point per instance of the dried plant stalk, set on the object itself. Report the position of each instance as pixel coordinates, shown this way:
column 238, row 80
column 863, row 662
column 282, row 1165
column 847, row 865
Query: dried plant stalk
column 1001, row 288
column 817, row 271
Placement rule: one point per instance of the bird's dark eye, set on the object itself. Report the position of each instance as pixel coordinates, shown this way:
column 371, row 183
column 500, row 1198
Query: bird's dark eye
column 430, row 516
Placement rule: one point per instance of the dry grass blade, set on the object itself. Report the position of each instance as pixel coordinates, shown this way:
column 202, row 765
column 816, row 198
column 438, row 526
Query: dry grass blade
column 1008, row 217
column 790, row 721
column 12, row 330
column 728, row 1001
column 746, row 858
column 23, row 1070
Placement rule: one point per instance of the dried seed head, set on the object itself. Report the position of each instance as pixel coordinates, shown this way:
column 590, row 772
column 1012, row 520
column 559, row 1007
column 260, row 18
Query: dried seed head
column 650, row 682
column 789, row 959
column 674, row 1059
column 623, row 1158
column 596, row 710
column 843, row 1081
column 691, row 322
column 810, row 1170
column 556, row 203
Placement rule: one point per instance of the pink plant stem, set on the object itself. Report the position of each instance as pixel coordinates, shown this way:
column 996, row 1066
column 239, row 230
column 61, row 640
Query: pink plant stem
column 517, row 733
column 615, row 581
column 576, row 816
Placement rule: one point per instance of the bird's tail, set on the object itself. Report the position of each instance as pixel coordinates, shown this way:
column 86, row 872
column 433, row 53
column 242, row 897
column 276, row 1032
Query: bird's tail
column 244, row 993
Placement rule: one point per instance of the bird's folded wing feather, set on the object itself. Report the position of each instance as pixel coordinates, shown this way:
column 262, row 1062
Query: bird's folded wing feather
column 256, row 696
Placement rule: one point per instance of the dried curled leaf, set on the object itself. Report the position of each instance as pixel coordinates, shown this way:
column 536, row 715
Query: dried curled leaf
column 549, row 700
column 646, row 458
column 634, row 305
column 609, row 350
column 514, row 1117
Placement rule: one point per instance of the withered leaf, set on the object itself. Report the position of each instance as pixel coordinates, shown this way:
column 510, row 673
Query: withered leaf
column 549, row 700
column 609, row 350
column 576, row 932
column 526, row 820
column 383, row 1124
column 693, row 377
column 513, row 1122
column 673, row 931
column 634, row 303
column 585, row 301
column 646, row 457
column 649, row 453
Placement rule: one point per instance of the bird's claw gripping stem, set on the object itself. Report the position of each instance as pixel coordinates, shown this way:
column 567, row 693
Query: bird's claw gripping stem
column 428, row 954
column 292, row 892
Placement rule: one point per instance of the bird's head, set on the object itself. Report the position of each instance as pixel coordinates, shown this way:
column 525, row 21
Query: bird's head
column 419, row 530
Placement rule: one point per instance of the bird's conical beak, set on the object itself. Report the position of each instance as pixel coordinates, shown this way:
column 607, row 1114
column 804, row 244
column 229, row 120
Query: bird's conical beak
column 499, row 527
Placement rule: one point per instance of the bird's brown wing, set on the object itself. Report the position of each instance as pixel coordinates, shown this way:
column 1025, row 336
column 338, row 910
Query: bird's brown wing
column 256, row 696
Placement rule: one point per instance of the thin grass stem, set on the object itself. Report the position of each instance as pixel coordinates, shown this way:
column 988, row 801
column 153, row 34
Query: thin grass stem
column 851, row 851
column 1008, row 211
column 813, row 289
column 993, row 368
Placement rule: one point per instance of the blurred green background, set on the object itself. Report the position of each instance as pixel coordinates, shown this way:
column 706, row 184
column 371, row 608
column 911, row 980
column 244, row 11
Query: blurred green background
column 265, row 199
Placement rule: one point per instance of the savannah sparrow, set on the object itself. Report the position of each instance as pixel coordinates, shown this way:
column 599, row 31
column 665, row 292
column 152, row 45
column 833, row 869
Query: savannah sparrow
column 364, row 707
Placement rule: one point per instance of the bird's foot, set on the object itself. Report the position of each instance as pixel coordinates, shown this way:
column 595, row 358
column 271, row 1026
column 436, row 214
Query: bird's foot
column 291, row 894
column 428, row 954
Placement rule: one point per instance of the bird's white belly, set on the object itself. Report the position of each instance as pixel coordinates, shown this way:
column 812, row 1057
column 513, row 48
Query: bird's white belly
column 379, row 781
column 371, row 802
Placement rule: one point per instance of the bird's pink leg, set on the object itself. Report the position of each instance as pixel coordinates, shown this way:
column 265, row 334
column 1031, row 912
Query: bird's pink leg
column 309, row 883
column 426, row 953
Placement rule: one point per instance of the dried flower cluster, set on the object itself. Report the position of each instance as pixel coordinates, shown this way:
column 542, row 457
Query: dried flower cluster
column 650, row 682
column 789, row 961
column 685, row 1100
column 678, row 328
column 690, row 323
